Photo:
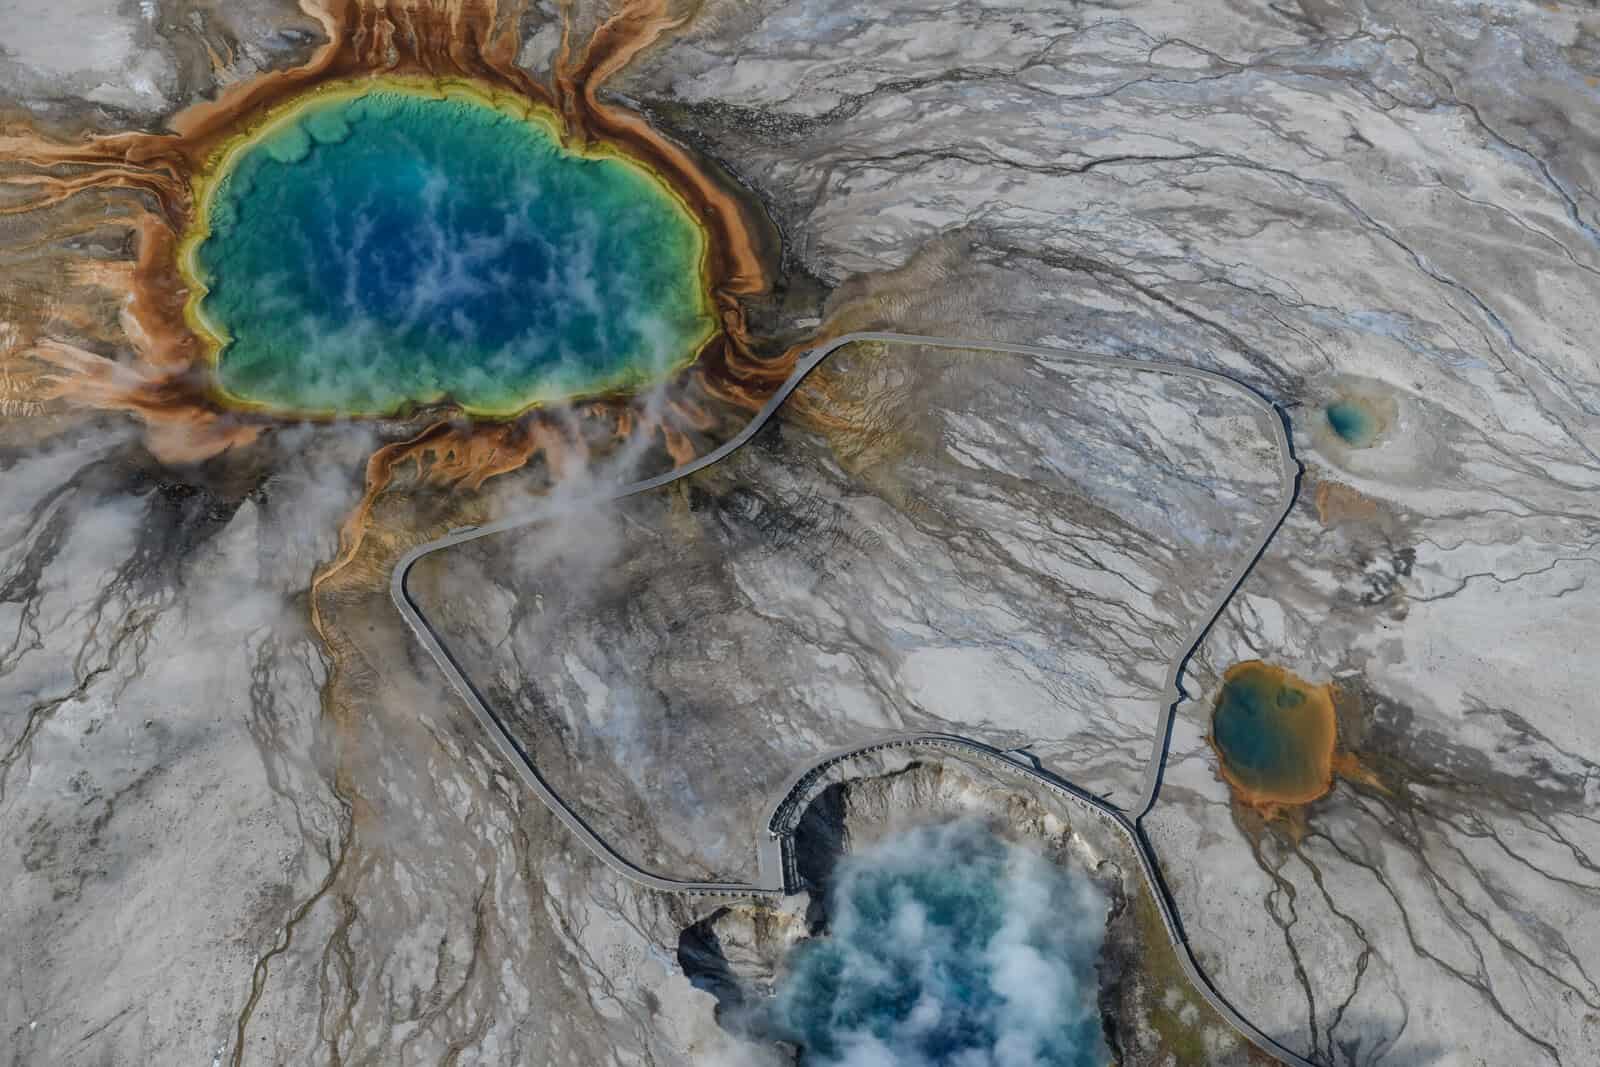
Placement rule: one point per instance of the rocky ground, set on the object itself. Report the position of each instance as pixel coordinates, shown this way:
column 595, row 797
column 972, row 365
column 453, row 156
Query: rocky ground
column 964, row 541
column 307, row 868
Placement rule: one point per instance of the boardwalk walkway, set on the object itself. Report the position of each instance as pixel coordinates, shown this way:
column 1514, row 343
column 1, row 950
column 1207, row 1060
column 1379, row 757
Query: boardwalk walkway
column 777, row 873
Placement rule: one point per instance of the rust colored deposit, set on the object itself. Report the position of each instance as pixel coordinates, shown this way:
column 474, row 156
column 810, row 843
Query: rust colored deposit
column 168, row 382
column 163, row 372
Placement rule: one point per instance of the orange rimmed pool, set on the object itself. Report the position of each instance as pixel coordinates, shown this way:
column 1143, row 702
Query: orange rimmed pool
column 1275, row 735
column 390, row 243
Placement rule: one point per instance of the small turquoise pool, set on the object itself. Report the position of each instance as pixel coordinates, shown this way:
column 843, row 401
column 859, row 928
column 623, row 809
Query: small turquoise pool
column 388, row 244
column 1355, row 425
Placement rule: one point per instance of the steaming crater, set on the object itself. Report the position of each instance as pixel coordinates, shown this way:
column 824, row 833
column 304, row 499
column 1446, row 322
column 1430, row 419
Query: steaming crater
column 949, row 947
column 391, row 243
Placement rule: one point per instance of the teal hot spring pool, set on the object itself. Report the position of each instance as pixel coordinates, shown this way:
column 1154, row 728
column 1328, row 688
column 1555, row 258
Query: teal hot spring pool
column 383, row 245
column 1275, row 735
column 1355, row 424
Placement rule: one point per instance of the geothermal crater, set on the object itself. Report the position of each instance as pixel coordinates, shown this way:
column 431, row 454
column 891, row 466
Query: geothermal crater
column 389, row 243
column 949, row 947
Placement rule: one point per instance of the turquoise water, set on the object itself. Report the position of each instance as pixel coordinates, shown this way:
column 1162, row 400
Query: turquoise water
column 1250, row 726
column 949, row 947
column 396, row 248
column 1275, row 740
column 1354, row 424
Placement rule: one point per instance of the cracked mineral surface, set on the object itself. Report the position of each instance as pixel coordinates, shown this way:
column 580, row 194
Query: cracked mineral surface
column 245, row 820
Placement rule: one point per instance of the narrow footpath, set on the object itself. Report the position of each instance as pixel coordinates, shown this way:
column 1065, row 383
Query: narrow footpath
column 775, row 842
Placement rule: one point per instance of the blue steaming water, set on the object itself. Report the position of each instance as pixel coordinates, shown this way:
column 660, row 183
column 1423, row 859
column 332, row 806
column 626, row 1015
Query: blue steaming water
column 949, row 947
column 402, row 246
column 1275, row 736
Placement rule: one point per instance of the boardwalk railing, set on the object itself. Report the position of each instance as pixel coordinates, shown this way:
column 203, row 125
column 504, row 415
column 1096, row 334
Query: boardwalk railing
column 778, row 870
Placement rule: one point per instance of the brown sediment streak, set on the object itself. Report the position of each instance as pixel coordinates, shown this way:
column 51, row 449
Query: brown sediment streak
column 154, row 317
column 682, row 412
column 447, row 453
column 679, row 447
column 1336, row 503
column 174, row 432
column 476, row 39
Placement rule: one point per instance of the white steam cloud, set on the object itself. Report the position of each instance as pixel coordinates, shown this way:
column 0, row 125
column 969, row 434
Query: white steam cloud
column 950, row 947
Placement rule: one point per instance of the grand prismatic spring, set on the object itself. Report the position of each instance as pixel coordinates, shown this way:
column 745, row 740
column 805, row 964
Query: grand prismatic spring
column 409, row 227
column 388, row 243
